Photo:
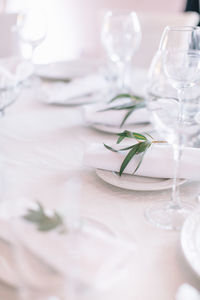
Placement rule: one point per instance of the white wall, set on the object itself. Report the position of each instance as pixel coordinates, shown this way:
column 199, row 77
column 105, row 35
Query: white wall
column 74, row 24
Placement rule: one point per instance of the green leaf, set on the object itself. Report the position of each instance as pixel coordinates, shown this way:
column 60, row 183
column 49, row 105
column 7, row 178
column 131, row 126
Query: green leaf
column 127, row 116
column 133, row 97
column 43, row 221
column 142, row 156
column 136, row 149
column 119, row 150
column 118, row 107
column 125, row 106
column 120, row 139
column 133, row 135
column 120, row 96
column 142, row 145
column 126, row 148
column 131, row 106
column 127, row 159
column 110, row 148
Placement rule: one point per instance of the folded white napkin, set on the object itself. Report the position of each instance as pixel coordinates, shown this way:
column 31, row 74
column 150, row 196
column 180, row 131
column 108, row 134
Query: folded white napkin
column 93, row 114
column 61, row 92
column 187, row 292
column 158, row 161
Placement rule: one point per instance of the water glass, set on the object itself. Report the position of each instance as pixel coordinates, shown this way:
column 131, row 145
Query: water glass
column 177, row 120
column 121, row 36
column 32, row 29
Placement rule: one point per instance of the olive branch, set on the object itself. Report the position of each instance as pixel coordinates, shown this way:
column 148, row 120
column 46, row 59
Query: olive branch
column 136, row 102
column 144, row 142
column 44, row 221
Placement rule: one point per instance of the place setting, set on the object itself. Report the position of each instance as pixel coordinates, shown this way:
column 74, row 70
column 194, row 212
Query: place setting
column 125, row 111
column 69, row 82
column 100, row 162
column 87, row 81
column 164, row 161
column 124, row 108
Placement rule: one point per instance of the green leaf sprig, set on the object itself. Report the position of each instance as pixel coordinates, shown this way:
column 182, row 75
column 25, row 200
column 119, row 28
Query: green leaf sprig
column 44, row 221
column 135, row 103
column 142, row 145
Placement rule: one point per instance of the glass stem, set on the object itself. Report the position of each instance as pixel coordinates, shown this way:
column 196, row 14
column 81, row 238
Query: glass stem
column 32, row 54
column 177, row 151
column 181, row 99
column 122, row 69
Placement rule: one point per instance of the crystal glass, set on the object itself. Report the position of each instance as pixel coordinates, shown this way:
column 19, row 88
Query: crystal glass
column 174, row 101
column 180, row 38
column 121, row 36
column 62, row 263
column 32, row 27
column 13, row 72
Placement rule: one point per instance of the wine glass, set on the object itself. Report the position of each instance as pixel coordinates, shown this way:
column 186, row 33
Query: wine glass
column 13, row 73
column 180, row 38
column 32, row 28
column 176, row 119
column 9, row 89
column 121, row 36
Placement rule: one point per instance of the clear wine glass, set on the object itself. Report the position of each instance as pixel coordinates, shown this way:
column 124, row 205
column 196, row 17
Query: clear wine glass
column 9, row 89
column 32, row 28
column 121, row 36
column 175, row 110
column 180, row 38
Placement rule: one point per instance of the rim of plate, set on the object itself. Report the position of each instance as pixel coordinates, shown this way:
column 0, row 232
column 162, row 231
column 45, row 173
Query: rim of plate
column 67, row 69
column 136, row 183
column 189, row 235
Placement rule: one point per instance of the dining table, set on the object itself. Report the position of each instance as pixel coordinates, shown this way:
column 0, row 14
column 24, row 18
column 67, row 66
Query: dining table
column 42, row 148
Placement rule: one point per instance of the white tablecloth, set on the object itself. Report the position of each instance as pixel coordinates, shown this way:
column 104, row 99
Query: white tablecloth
column 47, row 152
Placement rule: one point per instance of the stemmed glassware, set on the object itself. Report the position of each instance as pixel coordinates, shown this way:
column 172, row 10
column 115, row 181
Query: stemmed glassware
column 173, row 99
column 32, row 28
column 9, row 89
column 121, row 36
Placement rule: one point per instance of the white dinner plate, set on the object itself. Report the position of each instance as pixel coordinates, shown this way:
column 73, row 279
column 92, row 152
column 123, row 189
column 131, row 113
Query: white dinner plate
column 114, row 129
column 190, row 241
column 136, row 183
column 66, row 70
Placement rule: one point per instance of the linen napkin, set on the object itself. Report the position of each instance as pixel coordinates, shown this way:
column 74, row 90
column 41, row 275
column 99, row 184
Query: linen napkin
column 94, row 114
column 157, row 162
column 64, row 93
column 187, row 292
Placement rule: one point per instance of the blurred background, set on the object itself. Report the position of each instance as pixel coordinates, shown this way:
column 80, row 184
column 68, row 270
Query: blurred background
column 74, row 26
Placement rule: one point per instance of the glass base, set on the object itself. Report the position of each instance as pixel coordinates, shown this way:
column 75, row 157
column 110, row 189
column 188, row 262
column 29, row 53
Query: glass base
column 167, row 216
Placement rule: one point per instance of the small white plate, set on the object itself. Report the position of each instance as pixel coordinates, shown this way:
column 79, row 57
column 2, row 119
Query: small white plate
column 190, row 241
column 66, row 70
column 114, row 129
column 136, row 183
